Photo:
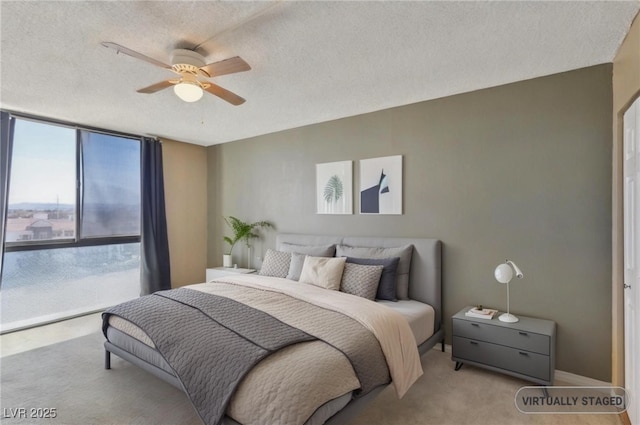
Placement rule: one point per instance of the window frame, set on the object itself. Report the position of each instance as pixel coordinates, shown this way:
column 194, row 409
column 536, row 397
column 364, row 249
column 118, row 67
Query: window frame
column 77, row 241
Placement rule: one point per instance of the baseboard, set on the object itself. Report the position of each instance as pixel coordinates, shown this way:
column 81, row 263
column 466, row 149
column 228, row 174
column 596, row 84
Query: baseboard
column 561, row 377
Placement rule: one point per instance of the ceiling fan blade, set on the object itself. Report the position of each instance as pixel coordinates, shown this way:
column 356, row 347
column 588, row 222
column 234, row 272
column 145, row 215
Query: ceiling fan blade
column 134, row 54
column 227, row 66
column 224, row 94
column 156, row 87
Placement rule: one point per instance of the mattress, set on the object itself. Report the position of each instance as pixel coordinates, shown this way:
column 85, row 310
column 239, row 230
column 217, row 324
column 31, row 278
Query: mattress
column 421, row 317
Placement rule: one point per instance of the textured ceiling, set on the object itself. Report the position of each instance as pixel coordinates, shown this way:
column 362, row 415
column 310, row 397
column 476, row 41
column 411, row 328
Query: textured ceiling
column 311, row 61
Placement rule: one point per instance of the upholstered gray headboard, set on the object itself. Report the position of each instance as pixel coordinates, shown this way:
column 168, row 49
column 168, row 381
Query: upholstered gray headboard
column 425, row 277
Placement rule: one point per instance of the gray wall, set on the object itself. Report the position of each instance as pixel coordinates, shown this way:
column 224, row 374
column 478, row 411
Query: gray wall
column 521, row 171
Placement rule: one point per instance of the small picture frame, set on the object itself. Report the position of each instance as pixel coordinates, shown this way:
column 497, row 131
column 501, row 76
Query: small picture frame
column 381, row 185
column 334, row 188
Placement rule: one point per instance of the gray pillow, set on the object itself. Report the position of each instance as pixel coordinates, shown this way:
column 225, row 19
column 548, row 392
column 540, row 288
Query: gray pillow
column 276, row 263
column 387, row 286
column 403, row 252
column 361, row 280
column 295, row 268
column 313, row 250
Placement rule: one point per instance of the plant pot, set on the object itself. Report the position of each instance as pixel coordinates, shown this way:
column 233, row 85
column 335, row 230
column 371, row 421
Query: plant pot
column 226, row 260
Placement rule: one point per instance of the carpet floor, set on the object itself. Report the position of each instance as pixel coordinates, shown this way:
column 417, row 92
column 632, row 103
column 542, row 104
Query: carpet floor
column 70, row 377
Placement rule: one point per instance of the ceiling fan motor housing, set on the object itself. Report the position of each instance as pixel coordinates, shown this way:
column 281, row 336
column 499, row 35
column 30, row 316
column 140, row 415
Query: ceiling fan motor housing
column 187, row 57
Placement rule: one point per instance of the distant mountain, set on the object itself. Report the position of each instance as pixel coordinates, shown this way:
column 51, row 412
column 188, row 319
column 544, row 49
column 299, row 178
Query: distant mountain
column 40, row 206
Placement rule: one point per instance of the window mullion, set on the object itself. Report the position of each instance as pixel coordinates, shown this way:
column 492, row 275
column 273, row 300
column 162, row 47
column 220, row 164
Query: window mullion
column 79, row 185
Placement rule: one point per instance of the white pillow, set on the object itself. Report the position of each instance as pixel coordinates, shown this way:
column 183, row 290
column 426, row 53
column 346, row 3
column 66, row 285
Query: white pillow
column 323, row 272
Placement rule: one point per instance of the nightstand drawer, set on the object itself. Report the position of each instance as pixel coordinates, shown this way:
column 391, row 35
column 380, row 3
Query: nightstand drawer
column 510, row 359
column 515, row 338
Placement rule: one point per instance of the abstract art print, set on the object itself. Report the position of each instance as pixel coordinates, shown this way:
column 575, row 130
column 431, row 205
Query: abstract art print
column 334, row 187
column 381, row 185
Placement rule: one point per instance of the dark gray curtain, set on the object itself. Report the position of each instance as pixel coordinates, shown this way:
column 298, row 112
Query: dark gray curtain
column 6, row 142
column 155, row 272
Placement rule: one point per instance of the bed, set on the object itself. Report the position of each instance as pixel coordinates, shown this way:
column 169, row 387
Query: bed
column 273, row 301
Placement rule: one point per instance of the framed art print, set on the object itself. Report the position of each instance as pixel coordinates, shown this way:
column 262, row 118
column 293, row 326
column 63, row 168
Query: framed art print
column 381, row 185
column 334, row 188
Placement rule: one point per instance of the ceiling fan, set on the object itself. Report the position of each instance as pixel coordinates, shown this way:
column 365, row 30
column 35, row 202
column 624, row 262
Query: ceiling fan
column 191, row 68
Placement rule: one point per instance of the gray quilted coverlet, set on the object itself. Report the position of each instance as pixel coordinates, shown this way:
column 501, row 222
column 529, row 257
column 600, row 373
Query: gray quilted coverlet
column 211, row 342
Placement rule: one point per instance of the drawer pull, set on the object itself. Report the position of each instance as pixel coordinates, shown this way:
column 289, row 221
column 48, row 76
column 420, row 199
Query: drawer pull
column 523, row 333
column 475, row 324
column 522, row 353
column 473, row 343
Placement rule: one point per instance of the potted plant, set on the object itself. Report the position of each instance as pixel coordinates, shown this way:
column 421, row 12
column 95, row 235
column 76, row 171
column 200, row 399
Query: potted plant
column 241, row 231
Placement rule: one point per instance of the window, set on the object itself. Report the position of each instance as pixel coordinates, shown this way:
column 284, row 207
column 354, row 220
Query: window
column 45, row 285
column 42, row 197
column 73, row 223
column 111, row 176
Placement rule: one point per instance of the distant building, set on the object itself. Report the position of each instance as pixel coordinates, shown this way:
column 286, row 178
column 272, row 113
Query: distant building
column 41, row 229
column 31, row 229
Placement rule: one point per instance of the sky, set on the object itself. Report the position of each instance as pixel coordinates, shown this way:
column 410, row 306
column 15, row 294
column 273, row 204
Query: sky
column 43, row 168
column 43, row 163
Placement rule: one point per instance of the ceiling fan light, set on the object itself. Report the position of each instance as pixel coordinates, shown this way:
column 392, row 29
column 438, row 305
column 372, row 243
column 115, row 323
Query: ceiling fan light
column 188, row 92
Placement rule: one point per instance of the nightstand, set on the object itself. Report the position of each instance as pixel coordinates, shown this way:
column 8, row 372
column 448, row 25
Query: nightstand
column 217, row 272
column 525, row 349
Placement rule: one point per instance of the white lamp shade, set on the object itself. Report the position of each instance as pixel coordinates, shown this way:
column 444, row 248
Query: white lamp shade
column 504, row 273
column 188, row 92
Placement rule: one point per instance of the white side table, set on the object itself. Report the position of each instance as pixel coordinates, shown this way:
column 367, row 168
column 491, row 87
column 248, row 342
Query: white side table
column 217, row 272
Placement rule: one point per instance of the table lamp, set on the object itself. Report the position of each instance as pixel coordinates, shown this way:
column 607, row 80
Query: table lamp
column 504, row 274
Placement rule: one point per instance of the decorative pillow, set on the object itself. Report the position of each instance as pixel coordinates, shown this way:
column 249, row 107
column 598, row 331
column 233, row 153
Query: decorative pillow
column 403, row 252
column 275, row 263
column 387, row 286
column 314, row 250
column 322, row 271
column 295, row 268
column 361, row 280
